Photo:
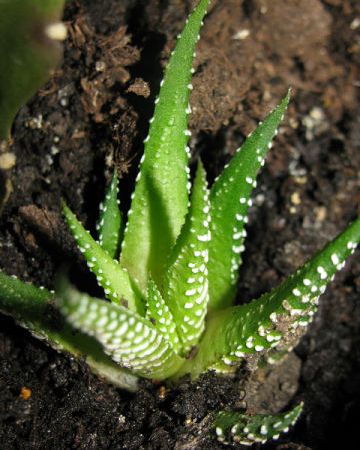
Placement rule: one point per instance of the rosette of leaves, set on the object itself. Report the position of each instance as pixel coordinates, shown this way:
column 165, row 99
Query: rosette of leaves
column 169, row 275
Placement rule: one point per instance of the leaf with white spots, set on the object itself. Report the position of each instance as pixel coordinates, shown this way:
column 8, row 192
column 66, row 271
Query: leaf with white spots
column 278, row 318
column 230, row 200
column 34, row 308
column 110, row 225
column 159, row 314
column 186, row 289
column 160, row 199
column 115, row 281
column 165, row 252
column 235, row 427
column 130, row 340
column 23, row 300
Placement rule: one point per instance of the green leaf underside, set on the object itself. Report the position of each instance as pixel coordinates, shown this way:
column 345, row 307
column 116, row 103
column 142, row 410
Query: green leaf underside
column 130, row 340
column 110, row 225
column 187, row 277
column 34, row 309
column 279, row 317
column 109, row 274
column 230, row 200
column 27, row 54
column 234, row 427
column 160, row 199
column 159, row 314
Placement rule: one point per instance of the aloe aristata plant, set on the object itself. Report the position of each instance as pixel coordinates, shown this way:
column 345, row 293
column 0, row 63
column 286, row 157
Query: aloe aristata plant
column 169, row 276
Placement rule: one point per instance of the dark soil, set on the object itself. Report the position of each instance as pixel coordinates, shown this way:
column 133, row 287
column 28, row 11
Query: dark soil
column 94, row 114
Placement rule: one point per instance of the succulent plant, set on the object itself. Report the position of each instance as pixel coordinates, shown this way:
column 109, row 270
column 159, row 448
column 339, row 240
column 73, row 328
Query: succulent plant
column 169, row 276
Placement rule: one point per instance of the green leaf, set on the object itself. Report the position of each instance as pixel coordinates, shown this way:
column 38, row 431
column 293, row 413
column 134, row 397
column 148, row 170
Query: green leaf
column 159, row 314
column 130, row 340
column 230, row 200
column 115, row 280
column 160, row 200
column 34, row 309
column 28, row 52
column 187, row 279
column 276, row 319
column 234, row 427
column 22, row 299
column 110, row 226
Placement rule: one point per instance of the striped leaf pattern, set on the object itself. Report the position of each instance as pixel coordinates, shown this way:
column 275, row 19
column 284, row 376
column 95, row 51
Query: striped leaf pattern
column 130, row 340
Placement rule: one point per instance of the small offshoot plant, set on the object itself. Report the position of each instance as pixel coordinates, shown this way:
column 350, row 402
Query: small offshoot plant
column 169, row 276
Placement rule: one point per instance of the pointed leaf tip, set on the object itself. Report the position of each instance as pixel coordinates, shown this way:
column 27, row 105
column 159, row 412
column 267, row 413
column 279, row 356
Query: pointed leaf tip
column 110, row 226
column 277, row 319
column 230, row 200
column 115, row 281
column 160, row 199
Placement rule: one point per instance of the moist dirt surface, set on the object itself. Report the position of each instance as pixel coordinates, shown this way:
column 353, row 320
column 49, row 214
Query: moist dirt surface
column 93, row 115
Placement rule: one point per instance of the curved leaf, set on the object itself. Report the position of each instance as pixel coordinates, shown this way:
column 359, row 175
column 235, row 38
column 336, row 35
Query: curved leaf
column 130, row 340
column 110, row 275
column 34, row 309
